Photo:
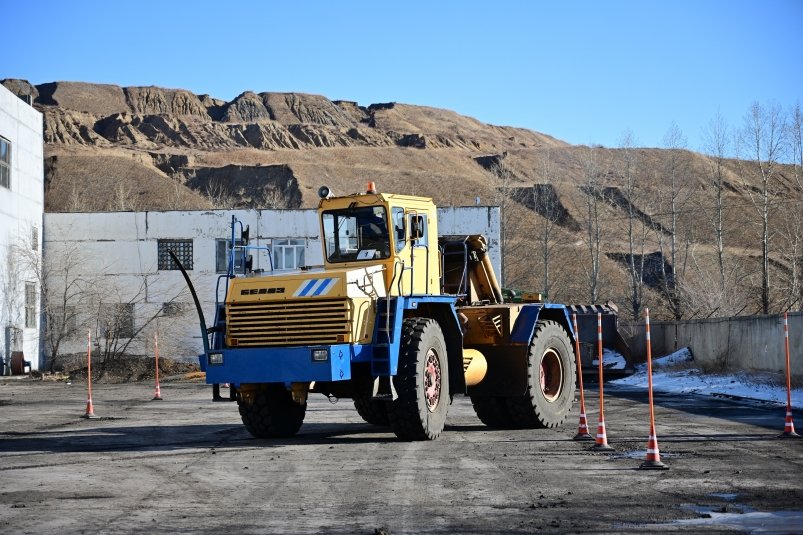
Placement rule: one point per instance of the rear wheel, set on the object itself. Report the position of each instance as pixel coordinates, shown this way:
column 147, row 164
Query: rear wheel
column 551, row 376
column 372, row 411
column 492, row 411
column 422, row 382
column 270, row 412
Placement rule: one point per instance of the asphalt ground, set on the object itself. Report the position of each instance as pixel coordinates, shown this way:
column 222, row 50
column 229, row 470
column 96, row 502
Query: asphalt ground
column 187, row 465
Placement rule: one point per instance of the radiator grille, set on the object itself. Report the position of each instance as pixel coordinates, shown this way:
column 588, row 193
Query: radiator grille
column 288, row 323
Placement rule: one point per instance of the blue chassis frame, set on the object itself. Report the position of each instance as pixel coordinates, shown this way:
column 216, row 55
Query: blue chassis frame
column 295, row 364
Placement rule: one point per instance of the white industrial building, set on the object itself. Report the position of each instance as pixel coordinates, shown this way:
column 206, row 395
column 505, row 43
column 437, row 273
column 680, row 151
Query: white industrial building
column 124, row 280
column 108, row 275
column 21, row 212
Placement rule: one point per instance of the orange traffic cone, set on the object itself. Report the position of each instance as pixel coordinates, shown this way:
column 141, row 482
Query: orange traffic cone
column 90, row 410
column 582, row 429
column 158, row 395
column 653, row 460
column 789, row 426
column 602, row 438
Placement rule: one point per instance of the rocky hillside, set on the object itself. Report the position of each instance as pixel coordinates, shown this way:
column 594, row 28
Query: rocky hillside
column 134, row 148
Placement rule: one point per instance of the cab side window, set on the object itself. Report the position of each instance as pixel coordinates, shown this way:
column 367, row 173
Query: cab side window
column 397, row 215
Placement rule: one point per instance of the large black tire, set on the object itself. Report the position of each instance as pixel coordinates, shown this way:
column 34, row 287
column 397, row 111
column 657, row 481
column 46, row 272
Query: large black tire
column 373, row 411
column 551, row 373
column 270, row 412
column 422, row 382
column 492, row 411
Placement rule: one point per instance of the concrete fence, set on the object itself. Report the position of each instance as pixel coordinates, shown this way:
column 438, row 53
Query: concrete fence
column 744, row 343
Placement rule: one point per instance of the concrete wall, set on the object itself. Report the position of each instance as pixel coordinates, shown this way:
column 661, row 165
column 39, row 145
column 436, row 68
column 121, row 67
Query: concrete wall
column 732, row 344
column 21, row 209
column 117, row 256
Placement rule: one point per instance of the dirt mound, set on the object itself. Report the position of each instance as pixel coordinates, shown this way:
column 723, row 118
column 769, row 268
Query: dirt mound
column 158, row 101
column 97, row 99
column 129, row 369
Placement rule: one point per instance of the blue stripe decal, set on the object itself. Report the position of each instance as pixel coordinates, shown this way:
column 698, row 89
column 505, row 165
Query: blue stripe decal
column 324, row 288
column 307, row 287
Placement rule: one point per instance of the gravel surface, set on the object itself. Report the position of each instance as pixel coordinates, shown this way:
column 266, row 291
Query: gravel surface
column 186, row 465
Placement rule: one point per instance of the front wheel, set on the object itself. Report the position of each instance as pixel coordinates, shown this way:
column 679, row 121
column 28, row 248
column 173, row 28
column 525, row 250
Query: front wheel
column 551, row 373
column 270, row 412
column 422, row 382
column 373, row 411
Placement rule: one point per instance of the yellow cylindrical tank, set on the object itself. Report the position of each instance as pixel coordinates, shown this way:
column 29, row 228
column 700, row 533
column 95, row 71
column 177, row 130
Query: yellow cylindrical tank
column 474, row 366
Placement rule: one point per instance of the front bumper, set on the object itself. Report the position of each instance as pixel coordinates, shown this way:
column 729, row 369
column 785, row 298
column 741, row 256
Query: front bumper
column 282, row 364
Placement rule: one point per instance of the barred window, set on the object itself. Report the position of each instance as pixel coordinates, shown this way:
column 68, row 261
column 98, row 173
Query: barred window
column 181, row 248
column 5, row 163
column 30, row 305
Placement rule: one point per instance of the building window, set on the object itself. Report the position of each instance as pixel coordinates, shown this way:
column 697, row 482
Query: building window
column 288, row 254
column 222, row 256
column 35, row 238
column 116, row 320
column 181, row 248
column 171, row 309
column 5, row 163
column 30, row 305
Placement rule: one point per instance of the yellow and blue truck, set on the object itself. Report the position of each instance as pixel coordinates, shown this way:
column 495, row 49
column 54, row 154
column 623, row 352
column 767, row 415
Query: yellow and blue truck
column 397, row 319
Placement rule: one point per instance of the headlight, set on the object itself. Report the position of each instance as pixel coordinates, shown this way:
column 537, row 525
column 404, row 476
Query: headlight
column 320, row 355
column 215, row 359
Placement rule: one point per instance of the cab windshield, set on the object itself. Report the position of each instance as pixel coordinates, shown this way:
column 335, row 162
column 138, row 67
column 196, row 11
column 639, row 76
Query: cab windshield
column 354, row 234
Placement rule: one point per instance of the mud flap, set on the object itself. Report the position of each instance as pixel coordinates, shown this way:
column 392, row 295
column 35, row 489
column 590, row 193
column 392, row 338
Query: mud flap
column 216, row 393
column 384, row 389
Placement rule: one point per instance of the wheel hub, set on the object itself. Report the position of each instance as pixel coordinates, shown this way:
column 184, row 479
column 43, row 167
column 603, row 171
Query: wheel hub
column 432, row 380
column 551, row 375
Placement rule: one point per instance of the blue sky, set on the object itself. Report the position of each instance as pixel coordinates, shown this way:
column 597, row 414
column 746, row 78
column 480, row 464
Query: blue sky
column 582, row 71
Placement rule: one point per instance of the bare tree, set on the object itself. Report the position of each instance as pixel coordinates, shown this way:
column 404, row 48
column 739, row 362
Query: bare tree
column 117, row 325
column 792, row 224
column 219, row 194
column 717, row 140
column 674, row 198
column 636, row 228
column 546, row 205
column 762, row 138
column 11, row 279
column 273, row 199
column 124, row 199
column 503, row 190
column 594, row 195
column 64, row 293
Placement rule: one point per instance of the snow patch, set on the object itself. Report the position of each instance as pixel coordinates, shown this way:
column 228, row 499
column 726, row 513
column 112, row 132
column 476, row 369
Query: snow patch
column 671, row 373
column 611, row 360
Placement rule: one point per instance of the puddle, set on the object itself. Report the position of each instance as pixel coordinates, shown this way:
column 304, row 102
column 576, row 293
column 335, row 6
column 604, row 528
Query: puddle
column 641, row 455
column 737, row 517
column 727, row 496
column 780, row 522
column 708, row 510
